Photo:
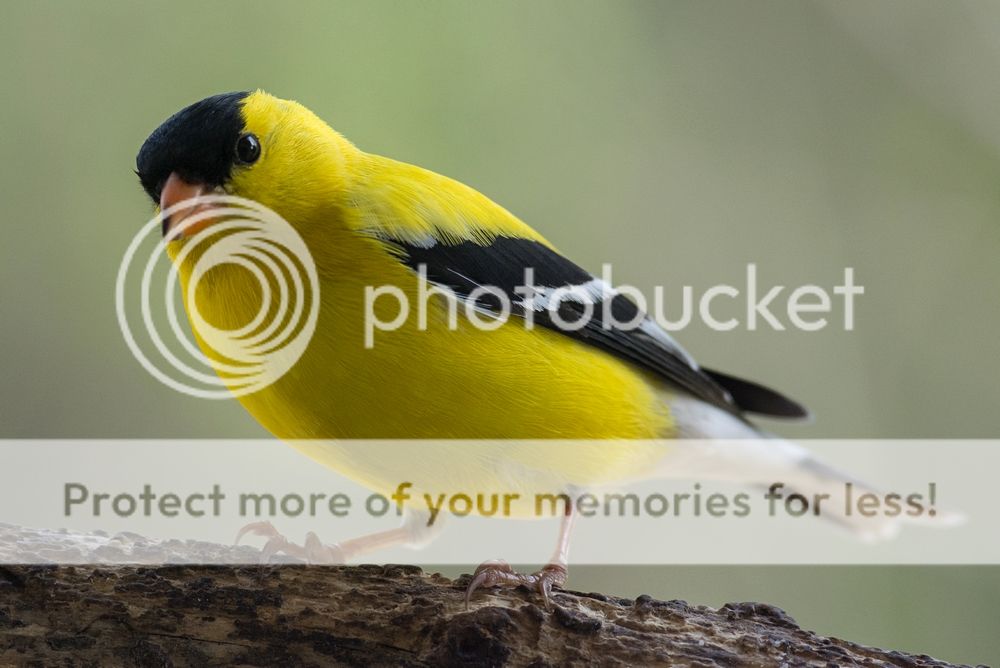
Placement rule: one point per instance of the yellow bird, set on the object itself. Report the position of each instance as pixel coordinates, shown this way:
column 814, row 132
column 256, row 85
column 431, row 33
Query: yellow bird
column 368, row 221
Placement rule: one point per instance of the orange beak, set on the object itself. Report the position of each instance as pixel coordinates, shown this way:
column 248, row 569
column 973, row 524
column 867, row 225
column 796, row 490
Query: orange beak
column 175, row 192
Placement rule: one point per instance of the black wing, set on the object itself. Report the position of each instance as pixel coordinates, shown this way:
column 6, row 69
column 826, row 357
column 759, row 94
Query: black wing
column 501, row 265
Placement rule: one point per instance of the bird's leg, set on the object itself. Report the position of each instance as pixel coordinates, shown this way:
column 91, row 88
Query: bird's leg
column 553, row 574
column 413, row 531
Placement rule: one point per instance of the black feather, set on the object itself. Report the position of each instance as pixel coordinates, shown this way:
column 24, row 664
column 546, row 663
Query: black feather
column 197, row 142
column 754, row 398
column 501, row 264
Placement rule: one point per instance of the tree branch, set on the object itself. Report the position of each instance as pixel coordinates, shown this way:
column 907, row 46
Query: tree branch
column 300, row 615
column 375, row 615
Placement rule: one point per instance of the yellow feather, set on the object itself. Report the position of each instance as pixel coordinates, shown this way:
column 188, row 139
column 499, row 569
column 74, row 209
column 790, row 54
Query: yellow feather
column 467, row 383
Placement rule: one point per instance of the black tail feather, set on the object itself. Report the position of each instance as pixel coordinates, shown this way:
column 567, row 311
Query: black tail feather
column 754, row 398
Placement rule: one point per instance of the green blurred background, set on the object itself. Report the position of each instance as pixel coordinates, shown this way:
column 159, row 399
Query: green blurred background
column 676, row 140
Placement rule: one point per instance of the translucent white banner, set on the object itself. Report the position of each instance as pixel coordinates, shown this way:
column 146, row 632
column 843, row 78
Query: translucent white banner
column 462, row 502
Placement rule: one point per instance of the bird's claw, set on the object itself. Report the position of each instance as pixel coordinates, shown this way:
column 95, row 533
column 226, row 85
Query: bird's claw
column 313, row 551
column 500, row 574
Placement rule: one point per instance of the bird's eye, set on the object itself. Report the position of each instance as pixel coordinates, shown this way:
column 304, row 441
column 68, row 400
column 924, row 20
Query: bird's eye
column 247, row 149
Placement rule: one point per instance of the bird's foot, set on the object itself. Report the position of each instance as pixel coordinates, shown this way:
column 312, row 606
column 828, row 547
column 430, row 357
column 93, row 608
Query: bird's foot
column 312, row 551
column 500, row 574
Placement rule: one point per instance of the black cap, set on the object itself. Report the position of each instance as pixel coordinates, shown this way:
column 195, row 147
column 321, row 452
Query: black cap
column 197, row 142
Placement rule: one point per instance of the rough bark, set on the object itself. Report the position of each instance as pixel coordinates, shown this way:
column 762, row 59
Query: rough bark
column 84, row 610
column 296, row 615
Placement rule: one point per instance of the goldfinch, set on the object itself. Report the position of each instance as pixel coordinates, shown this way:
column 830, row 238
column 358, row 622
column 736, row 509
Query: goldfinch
column 368, row 221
